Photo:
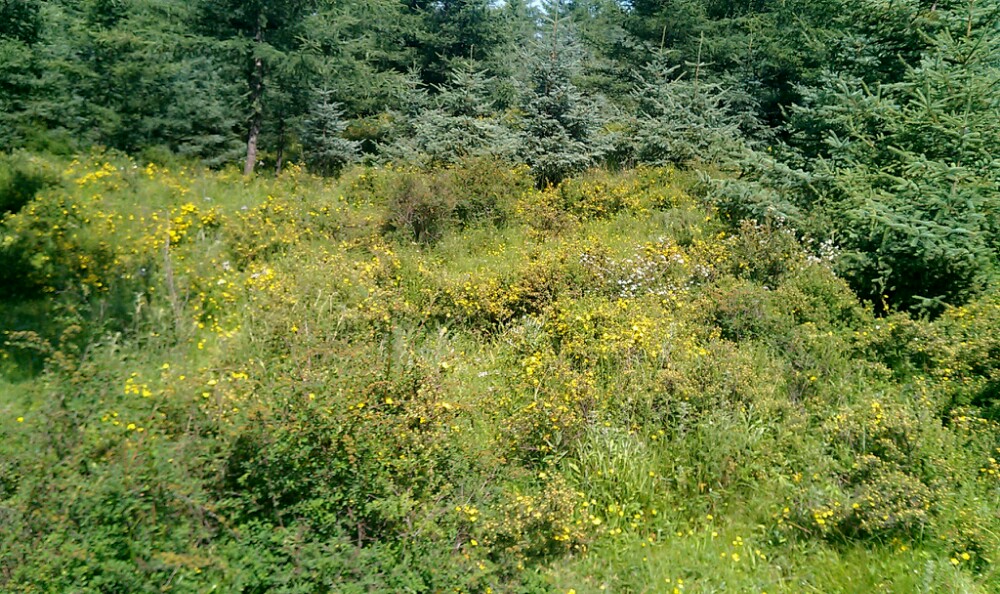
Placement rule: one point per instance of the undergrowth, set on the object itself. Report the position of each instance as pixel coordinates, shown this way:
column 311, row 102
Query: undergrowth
column 453, row 381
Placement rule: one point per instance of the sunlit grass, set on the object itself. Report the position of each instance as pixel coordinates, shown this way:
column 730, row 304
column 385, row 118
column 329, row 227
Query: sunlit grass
column 262, row 385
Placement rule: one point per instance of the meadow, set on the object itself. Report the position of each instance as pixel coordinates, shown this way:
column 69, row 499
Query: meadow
column 452, row 381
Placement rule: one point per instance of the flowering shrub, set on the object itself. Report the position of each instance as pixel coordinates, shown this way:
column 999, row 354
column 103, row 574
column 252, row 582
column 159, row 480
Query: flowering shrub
column 450, row 380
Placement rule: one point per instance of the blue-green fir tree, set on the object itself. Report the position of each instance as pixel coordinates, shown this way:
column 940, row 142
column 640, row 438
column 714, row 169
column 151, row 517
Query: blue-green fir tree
column 562, row 127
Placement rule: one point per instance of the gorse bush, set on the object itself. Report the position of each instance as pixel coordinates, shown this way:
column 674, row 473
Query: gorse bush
column 561, row 297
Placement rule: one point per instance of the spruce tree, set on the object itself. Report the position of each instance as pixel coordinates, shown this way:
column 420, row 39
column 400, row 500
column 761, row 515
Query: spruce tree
column 911, row 178
column 325, row 148
column 20, row 20
column 682, row 118
column 462, row 122
column 562, row 127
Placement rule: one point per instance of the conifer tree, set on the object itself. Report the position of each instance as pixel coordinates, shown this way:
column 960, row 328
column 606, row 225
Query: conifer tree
column 326, row 150
column 455, row 30
column 361, row 51
column 20, row 20
column 911, row 178
column 20, row 29
column 561, row 125
column 461, row 122
column 262, row 36
column 682, row 118
column 199, row 121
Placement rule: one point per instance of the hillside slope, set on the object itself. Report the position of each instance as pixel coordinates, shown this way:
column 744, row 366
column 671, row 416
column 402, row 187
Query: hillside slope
column 452, row 381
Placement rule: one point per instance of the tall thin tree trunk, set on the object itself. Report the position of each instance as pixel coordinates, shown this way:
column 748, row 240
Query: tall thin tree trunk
column 252, row 144
column 256, row 96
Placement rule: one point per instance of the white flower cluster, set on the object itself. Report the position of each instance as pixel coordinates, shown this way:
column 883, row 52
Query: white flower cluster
column 825, row 252
column 648, row 272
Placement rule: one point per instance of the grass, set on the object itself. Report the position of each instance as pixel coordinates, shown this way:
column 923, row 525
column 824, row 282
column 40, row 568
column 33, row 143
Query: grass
column 260, row 385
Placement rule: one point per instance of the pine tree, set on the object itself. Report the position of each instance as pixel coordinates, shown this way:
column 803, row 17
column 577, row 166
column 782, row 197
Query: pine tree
column 326, row 150
column 263, row 37
column 561, row 125
column 362, row 52
column 461, row 123
column 20, row 28
column 455, row 30
column 682, row 118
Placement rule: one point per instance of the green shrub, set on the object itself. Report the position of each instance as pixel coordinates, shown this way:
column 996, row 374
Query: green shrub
column 22, row 177
column 347, row 465
column 884, row 480
column 814, row 294
column 747, row 311
column 420, row 207
column 487, row 190
column 765, row 252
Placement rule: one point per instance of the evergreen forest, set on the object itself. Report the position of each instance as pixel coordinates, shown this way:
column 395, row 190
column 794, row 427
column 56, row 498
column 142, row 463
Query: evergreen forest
column 499, row 296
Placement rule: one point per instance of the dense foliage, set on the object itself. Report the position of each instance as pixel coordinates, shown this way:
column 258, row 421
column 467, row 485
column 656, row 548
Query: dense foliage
column 872, row 126
column 454, row 380
column 578, row 295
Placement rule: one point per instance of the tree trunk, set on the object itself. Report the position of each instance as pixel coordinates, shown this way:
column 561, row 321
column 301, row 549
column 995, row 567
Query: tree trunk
column 256, row 96
column 252, row 144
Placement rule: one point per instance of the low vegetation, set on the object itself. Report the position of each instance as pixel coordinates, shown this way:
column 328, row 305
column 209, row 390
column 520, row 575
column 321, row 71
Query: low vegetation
column 451, row 380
